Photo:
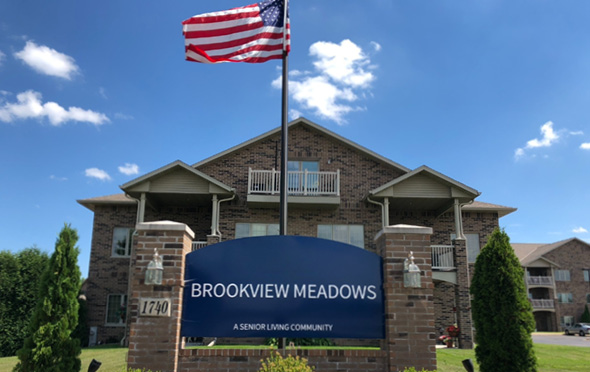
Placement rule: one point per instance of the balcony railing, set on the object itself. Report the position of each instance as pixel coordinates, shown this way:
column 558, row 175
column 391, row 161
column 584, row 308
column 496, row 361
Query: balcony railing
column 198, row 245
column 267, row 182
column 442, row 257
column 543, row 304
column 540, row 280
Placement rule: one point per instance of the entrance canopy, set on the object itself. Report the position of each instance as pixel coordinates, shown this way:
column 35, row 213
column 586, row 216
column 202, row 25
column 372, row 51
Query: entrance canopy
column 176, row 184
column 424, row 189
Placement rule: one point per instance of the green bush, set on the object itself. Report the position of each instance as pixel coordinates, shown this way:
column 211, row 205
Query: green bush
column 276, row 363
column 502, row 313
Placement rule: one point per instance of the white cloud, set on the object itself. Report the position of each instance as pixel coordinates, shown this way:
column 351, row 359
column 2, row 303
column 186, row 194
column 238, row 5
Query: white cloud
column 129, row 169
column 577, row 133
column 47, row 61
column 376, row 46
column 579, row 230
column 56, row 178
column 97, row 173
column 585, row 146
column 121, row 116
column 103, row 93
column 340, row 78
column 29, row 106
column 343, row 62
column 2, row 57
column 548, row 139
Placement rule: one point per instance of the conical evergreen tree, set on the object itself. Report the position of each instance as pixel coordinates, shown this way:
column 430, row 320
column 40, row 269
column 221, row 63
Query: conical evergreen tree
column 50, row 346
column 502, row 314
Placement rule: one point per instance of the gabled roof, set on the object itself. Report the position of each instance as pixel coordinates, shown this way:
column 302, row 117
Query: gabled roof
column 305, row 122
column 168, row 168
column 528, row 253
column 431, row 173
column 478, row 206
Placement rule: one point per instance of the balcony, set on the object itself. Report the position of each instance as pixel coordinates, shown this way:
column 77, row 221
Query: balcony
column 442, row 257
column 443, row 263
column 543, row 304
column 303, row 187
column 198, row 245
column 539, row 281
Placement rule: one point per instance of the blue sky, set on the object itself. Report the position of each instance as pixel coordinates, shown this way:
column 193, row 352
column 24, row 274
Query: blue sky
column 493, row 93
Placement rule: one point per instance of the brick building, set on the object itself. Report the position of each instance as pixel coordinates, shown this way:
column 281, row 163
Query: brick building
column 337, row 190
column 557, row 277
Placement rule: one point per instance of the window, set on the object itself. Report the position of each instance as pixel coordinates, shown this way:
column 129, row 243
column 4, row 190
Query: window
column 296, row 175
column 472, row 242
column 562, row 275
column 116, row 309
column 350, row 234
column 565, row 298
column 586, row 275
column 567, row 320
column 122, row 241
column 588, row 298
column 245, row 230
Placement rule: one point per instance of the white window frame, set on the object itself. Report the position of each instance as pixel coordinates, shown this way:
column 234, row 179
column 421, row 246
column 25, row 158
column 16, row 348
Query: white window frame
column 562, row 276
column 122, row 302
column 565, row 298
column 567, row 320
column 255, row 228
column 472, row 244
column 117, row 234
column 350, row 230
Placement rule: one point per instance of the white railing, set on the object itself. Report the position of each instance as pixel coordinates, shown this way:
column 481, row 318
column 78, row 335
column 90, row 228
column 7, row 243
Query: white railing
column 267, row 182
column 198, row 245
column 442, row 257
column 543, row 304
column 540, row 280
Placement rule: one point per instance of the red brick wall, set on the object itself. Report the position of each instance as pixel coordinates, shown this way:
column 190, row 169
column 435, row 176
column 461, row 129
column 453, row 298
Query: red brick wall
column 107, row 274
column 575, row 257
column 215, row 360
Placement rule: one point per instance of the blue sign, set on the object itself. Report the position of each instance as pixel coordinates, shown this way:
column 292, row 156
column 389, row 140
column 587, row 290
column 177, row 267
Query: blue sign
column 283, row 286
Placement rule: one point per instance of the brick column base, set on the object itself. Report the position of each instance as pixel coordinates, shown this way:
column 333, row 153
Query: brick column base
column 409, row 312
column 154, row 341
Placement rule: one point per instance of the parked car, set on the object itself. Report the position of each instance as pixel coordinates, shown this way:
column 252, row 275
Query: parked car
column 582, row 329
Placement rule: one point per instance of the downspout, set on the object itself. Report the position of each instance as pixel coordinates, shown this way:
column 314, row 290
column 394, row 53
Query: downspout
column 384, row 210
column 138, row 219
column 458, row 221
column 218, row 211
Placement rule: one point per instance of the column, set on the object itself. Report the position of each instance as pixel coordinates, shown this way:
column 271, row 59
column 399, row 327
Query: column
column 409, row 312
column 154, row 336
column 462, row 295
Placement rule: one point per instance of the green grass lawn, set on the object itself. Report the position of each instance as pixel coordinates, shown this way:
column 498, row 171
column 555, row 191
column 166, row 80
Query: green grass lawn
column 552, row 358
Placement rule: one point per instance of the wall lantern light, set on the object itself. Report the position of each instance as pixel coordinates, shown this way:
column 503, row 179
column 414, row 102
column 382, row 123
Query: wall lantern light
column 155, row 270
column 411, row 273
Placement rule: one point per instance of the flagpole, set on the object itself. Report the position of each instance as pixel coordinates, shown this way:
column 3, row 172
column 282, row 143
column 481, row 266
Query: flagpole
column 284, row 129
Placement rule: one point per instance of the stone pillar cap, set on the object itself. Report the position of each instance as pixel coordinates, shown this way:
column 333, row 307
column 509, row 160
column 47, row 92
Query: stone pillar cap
column 165, row 226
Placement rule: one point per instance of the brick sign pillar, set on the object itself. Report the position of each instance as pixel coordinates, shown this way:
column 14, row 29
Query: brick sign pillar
column 410, row 339
column 462, row 295
column 154, row 336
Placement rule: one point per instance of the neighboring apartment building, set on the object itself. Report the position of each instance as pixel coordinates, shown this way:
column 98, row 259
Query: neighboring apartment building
column 337, row 190
column 557, row 278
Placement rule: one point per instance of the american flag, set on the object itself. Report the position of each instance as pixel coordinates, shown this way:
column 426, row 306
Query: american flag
column 252, row 33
